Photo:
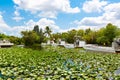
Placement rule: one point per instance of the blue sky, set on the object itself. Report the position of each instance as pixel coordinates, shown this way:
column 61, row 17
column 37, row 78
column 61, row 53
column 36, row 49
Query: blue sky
column 60, row 15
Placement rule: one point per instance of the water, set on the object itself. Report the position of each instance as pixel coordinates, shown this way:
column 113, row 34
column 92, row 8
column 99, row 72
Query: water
column 117, row 72
column 69, row 46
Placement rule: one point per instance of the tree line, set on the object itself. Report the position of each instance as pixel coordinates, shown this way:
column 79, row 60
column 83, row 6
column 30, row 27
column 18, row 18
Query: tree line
column 103, row 36
column 12, row 39
column 35, row 37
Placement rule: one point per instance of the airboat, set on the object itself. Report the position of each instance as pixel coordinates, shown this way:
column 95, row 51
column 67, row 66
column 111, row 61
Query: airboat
column 114, row 49
column 5, row 43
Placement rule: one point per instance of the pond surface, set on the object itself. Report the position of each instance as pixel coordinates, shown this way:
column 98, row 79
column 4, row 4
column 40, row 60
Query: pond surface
column 117, row 72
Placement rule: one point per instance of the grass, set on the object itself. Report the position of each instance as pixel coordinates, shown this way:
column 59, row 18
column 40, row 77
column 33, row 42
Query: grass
column 57, row 63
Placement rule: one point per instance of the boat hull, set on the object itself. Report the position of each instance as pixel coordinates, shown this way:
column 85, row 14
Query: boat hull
column 99, row 48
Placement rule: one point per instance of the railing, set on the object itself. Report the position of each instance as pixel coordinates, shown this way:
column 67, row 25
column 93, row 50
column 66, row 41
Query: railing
column 9, row 44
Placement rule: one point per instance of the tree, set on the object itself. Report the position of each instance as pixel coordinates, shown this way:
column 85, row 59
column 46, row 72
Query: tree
column 87, row 31
column 36, row 29
column 71, row 35
column 110, row 32
column 34, row 38
column 29, row 37
column 56, row 36
column 91, row 37
column 39, row 33
column 103, row 40
column 107, row 34
column 16, row 40
column 81, row 32
column 64, row 36
column 48, row 31
column 118, row 32
column 3, row 36
column 100, row 32
column 41, row 36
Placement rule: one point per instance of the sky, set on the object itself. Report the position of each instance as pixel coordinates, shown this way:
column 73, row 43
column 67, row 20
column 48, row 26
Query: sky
column 59, row 15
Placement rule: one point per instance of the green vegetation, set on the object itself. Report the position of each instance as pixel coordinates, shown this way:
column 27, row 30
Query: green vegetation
column 103, row 36
column 56, row 63
column 13, row 39
column 34, row 38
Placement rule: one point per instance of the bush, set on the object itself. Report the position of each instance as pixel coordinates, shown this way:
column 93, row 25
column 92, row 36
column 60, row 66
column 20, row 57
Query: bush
column 35, row 46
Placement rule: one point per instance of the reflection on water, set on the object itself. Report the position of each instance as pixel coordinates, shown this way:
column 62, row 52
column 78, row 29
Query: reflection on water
column 69, row 46
column 117, row 72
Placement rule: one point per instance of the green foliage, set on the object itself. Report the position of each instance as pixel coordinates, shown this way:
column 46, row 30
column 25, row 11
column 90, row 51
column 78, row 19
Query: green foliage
column 41, row 35
column 36, row 29
column 68, row 36
column 107, row 34
column 103, row 36
column 33, row 39
column 3, row 36
column 48, row 31
column 12, row 39
column 90, row 37
column 56, row 36
column 56, row 63
column 15, row 40
column 35, row 46
column 30, row 37
column 87, row 31
column 101, row 32
column 71, row 35
column 64, row 35
column 103, row 40
column 110, row 32
column 81, row 33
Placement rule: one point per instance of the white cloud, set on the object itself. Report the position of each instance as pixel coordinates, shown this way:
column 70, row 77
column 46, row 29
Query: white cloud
column 16, row 30
column 17, row 16
column 43, row 23
column 111, row 15
column 46, row 8
column 3, row 26
column 17, row 13
column 93, row 21
column 6, row 29
column 94, row 5
column 0, row 13
column 112, row 11
column 48, row 14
